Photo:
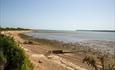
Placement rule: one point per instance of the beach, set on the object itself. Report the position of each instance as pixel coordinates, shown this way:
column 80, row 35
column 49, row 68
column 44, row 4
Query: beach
column 37, row 51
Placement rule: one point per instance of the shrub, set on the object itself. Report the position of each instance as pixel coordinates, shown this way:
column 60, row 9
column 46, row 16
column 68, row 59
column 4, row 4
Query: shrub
column 12, row 55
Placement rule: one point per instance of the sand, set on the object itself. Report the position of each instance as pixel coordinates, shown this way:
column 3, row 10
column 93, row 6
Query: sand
column 36, row 54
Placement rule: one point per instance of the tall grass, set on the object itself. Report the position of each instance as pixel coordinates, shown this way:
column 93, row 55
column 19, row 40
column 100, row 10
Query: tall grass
column 100, row 62
column 12, row 57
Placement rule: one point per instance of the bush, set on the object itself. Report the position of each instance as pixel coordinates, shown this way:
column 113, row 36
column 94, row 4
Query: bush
column 12, row 55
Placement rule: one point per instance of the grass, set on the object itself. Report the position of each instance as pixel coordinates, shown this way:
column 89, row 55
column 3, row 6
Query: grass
column 105, row 62
column 12, row 57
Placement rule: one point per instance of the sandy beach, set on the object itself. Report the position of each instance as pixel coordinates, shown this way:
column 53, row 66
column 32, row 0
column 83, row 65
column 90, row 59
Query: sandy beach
column 36, row 53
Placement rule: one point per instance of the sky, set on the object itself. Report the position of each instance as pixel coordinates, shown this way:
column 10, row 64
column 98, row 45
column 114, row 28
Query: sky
column 58, row 14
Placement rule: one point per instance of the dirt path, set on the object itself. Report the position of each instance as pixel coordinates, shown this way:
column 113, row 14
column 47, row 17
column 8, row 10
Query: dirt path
column 40, row 61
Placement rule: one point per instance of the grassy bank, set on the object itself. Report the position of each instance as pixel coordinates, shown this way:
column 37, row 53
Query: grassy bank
column 12, row 57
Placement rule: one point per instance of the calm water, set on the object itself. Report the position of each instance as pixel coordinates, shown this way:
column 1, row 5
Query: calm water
column 73, row 36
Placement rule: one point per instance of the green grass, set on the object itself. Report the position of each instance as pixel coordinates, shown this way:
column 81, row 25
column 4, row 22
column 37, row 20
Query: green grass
column 12, row 57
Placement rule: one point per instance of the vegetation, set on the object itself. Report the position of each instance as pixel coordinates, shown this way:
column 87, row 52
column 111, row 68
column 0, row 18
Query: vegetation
column 7, row 28
column 100, row 60
column 12, row 57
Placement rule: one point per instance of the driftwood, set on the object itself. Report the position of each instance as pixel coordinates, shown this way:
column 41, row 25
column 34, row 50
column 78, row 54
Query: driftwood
column 55, row 51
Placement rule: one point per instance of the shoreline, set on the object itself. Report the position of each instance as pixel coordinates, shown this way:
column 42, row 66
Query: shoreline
column 36, row 53
column 36, row 50
column 78, row 49
column 56, row 58
column 94, row 45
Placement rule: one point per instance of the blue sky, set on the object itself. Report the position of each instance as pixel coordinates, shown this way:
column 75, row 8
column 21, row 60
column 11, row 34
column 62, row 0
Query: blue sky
column 58, row 14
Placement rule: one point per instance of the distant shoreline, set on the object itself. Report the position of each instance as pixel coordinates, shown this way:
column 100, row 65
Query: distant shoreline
column 97, row 30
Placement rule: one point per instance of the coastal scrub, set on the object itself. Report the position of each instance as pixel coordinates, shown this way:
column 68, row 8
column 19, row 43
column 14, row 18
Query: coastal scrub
column 12, row 57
